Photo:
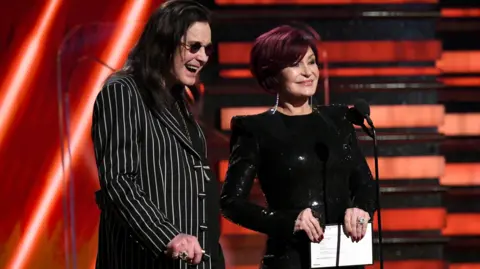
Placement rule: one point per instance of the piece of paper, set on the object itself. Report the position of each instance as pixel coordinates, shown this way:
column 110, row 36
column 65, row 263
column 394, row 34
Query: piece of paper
column 324, row 254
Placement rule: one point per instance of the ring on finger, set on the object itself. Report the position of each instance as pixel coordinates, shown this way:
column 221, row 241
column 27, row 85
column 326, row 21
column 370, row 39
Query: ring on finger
column 361, row 221
column 183, row 255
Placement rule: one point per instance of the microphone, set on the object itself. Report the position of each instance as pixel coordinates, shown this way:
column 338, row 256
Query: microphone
column 356, row 115
column 364, row 110
column 356, row 118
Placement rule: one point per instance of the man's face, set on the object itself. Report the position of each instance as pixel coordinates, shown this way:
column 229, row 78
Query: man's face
column 193, row 53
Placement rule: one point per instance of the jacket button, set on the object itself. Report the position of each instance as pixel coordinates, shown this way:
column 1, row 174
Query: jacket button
column 202, row 195
column 203, row 227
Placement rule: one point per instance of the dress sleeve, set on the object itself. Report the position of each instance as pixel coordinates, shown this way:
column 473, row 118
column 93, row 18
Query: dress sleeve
column 241, row 174
column 362, row 184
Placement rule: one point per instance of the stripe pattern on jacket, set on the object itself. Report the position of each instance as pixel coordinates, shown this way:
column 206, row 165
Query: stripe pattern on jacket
column 154, row 179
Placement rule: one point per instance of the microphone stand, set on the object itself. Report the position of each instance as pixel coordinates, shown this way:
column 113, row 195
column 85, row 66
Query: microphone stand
column 379, row 220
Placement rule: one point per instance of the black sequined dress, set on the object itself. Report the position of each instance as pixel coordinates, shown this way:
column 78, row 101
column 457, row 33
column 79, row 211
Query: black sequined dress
column 309, row 161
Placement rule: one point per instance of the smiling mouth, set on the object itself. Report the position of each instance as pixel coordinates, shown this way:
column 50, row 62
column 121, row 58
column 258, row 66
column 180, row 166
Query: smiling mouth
column 306, row 82
column 192, row 68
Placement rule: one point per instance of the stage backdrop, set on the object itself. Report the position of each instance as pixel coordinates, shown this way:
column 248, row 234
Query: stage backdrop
column 416, row 62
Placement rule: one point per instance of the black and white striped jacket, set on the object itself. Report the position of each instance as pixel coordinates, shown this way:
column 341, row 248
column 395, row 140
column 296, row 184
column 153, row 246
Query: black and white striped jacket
column 153, row 182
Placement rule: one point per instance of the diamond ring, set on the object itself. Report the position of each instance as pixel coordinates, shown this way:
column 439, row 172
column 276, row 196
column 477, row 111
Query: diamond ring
column 361, row 220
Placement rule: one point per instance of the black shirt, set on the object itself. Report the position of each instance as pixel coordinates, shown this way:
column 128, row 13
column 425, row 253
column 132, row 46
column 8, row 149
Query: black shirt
column 183, row 116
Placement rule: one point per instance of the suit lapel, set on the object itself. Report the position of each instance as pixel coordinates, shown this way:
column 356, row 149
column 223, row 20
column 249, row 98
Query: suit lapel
column 171, row 123
column 202, row 136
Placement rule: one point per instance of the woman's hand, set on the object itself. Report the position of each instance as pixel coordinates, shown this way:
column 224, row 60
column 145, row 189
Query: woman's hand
column 308, row 223
column 356, row 221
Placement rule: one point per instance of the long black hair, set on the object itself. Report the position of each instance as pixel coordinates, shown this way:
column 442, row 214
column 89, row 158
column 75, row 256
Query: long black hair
column 151, row 60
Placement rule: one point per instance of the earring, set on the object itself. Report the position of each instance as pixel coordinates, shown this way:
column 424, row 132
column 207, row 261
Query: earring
column 276, row 104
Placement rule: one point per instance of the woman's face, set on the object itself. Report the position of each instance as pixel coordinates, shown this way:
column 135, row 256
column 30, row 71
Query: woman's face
column 192, row 54
column 300, row 80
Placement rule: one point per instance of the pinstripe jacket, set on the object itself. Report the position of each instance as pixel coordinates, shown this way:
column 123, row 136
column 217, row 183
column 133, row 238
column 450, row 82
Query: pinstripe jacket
column 154, row 183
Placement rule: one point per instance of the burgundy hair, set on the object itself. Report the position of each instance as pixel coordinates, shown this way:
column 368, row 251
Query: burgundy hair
column 281, row 47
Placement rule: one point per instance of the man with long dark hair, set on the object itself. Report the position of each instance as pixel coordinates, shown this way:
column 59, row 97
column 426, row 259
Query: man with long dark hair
column 159, row 198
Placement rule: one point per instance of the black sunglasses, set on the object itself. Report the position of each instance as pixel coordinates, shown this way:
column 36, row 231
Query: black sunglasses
column 195, row 47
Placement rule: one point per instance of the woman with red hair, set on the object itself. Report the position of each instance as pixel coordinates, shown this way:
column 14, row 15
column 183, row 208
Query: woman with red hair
column 305, row 157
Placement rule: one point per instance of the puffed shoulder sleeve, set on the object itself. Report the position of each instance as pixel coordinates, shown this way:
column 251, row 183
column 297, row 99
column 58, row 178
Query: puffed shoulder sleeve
column 242, row 170
column 243, row 143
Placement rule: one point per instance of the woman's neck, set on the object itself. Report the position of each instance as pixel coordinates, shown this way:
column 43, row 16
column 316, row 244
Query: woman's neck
column 293, row 110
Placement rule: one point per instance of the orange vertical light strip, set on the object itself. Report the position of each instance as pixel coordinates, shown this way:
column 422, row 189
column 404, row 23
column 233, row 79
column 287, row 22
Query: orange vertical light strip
column 123, row 38
column 23, row 67
column 94, row 263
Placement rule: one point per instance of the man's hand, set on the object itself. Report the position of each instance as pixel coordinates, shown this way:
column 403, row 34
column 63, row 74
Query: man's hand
column 185, row 247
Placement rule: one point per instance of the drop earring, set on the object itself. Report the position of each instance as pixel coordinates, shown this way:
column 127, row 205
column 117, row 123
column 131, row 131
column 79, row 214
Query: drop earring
column 276, row 104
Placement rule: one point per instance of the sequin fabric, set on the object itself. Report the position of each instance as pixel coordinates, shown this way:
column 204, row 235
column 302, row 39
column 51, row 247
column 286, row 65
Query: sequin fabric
column 311, row 161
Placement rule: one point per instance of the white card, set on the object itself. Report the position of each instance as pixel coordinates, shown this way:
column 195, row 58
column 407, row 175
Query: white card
column 324, row 254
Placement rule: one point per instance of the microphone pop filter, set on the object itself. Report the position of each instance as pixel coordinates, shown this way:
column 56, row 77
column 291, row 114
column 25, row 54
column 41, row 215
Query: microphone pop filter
column 362, row 107
column 354, row 116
